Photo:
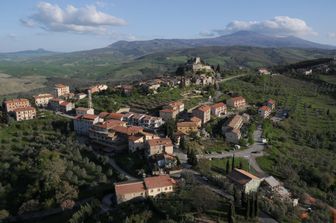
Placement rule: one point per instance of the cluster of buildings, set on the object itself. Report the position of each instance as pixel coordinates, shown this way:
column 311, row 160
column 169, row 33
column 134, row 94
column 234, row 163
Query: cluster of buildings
column 266, row 110
column 171, row 110
column 128, row 131
column 20, row 109
column 249, row 183
column 140, row 189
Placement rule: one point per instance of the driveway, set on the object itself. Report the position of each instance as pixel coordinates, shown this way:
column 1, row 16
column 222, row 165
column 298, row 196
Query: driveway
column 253, row 151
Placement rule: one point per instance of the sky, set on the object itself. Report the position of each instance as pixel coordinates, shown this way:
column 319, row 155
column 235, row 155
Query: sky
column 72, row 25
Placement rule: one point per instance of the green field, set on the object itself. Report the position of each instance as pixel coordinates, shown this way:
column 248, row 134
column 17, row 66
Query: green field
column 302, row 152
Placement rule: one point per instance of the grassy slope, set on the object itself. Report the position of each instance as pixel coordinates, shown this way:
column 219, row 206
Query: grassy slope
column 291, row 147
column 103, row 64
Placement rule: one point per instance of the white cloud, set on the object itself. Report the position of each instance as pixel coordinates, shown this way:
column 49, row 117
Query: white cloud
column 332, row 35
column 279, row 25
column 87, row 19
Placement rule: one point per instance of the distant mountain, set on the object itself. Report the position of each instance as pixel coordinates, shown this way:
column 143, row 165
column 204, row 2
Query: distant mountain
column 241, row 38
column 26, row 54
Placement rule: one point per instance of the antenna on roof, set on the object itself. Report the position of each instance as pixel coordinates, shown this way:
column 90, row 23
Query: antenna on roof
column 90, row 99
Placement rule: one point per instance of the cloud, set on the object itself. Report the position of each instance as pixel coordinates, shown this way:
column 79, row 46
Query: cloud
column 11, row 36
column 332, row 35
column 279, row 25
column 87, row 19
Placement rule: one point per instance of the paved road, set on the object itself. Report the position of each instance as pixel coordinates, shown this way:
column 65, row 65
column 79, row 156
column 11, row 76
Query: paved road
column 253, row 151
column 233, row 77
column 121, row 171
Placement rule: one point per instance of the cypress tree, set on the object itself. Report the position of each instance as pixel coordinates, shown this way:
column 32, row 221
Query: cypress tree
column 227, row 167
column 233, row 162
column 252, row 206
column 240, row 165
column 256, row 205
column 248, row 208
column 235, row 195
column 243, row 201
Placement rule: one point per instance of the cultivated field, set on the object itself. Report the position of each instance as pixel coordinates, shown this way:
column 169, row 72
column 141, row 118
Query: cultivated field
column 11, row 85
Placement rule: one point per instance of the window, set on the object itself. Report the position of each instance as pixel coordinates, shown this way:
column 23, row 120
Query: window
column 158, row 189
column 151, row 190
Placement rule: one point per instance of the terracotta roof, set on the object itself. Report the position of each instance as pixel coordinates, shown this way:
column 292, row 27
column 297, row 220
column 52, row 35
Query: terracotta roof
column 158, row 181
column 129, row 187
column 265, row 108
column 195, row 119
column 43, row 96
column 103, row 114
column 186, row 124
column 17, row 100
column 161, row 141
column 238, row 98
column 234, row 121
column 271, row 101
column 111, row 123
column 28, row 108
column 218, row 105
column 241, row 176
column 60, row 86
column 65, row 103
column 204, row 108
column 127, row 130
column 116, row 116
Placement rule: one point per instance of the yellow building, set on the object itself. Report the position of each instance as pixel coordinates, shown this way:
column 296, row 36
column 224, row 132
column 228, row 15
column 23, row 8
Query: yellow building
column 187, row 127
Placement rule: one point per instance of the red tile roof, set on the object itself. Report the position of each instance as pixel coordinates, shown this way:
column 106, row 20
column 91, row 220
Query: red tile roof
column 111, row 123
column 127, row 130
column 117, row 116
column 17, row 100
column 158, row 181
column 204, row 108
column 265, row 108
column 43, row 96
column 131, row 187
column 88, row 117
column 218, row 105
column 241, row 176
column 65, row 103
column 103, row 114
column 195, row 119
column 271, row 101
column 161, row 141
column 238, row 98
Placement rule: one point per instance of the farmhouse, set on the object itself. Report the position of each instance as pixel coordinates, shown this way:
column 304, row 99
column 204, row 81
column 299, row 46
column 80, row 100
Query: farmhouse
column 158, row 146
column 149, row 187
column 244, row 180
column 264, row 111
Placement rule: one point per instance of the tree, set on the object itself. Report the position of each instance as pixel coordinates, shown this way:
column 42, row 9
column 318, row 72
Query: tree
column 252, row 212
column 192, row 158
column 248, row 208
column 240, row 165
column 218, row 69
column 169, row 127
column 233, row 162
column 231, row 213
column 256, row 205
column 227, row 169
column 243, row 199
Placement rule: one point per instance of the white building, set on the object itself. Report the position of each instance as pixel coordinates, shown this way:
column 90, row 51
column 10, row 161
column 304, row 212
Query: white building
column 83, row 123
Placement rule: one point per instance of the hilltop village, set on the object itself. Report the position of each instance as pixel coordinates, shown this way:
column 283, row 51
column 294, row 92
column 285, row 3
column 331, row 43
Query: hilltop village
column 153, row 147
